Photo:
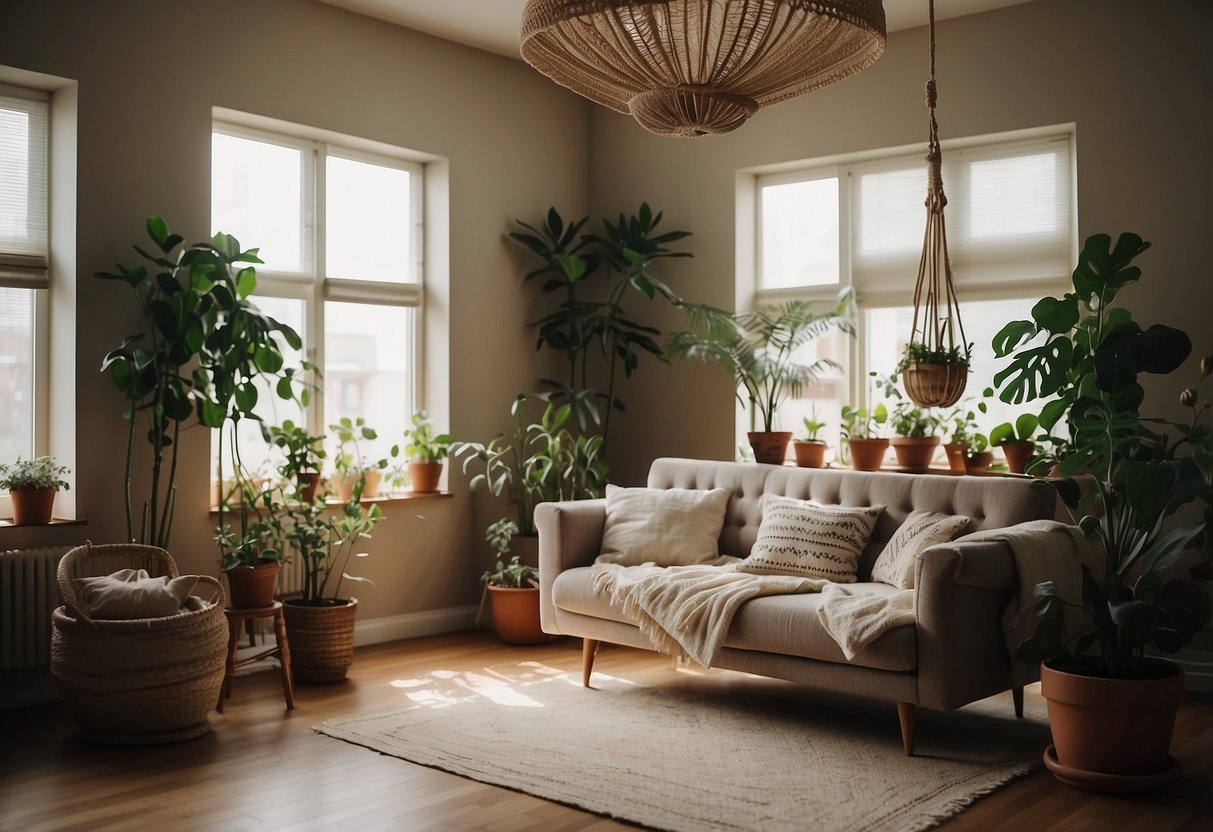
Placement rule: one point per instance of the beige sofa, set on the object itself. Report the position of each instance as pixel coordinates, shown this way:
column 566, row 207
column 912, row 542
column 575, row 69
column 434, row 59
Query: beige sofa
column 954, row 655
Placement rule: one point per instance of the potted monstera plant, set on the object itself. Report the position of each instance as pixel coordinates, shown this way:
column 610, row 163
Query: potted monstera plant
column 1112, row 707
column 759, row 350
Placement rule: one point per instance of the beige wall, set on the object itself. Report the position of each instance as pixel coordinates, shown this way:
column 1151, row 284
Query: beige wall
column 148, row 75
column 1135, row 80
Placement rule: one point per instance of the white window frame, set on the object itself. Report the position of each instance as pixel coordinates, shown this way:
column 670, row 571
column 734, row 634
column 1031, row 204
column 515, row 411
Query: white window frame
column 32, row 272
column 754, row 294
column 312, row 284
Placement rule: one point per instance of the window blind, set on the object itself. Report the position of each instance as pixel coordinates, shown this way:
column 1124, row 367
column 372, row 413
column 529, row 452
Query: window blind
column 1008, row 216
column 24, row 133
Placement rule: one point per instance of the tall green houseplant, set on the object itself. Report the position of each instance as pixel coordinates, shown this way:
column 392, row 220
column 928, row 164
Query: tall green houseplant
column 592, row 317
column 1085, row 354
column 205, row 349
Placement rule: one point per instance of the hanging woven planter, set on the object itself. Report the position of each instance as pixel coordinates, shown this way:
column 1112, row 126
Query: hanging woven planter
column 935, row 367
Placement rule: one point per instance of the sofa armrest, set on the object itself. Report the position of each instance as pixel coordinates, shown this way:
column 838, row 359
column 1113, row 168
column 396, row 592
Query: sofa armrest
column 570, row 535
column 962, row 590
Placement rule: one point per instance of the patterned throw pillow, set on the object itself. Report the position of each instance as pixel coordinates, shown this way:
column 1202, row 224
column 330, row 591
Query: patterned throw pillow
column 899, row 559
column 807, row 539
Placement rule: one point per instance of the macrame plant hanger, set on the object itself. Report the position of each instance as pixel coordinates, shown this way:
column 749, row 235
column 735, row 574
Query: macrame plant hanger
column 938, row 381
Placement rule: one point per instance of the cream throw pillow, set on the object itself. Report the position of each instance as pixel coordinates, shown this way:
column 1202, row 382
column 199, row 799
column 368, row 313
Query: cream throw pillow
column 808, row 539
column 899, row 559
column 131, row 593
column 665, row 526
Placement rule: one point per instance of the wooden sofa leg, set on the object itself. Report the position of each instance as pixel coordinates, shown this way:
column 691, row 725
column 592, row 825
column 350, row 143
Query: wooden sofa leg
column 1017, row 698
column 589, row 649
column 905, row 714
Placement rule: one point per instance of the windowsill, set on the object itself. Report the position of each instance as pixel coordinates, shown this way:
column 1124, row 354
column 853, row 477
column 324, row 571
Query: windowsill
column 388, row 500
column 7, row 523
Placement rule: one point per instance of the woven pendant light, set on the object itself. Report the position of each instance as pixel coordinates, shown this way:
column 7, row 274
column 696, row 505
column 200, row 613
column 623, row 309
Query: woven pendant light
column 693, row 67
column 938, row 381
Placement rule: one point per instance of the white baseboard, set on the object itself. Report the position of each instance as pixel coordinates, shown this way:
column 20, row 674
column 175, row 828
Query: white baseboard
column 413, row 625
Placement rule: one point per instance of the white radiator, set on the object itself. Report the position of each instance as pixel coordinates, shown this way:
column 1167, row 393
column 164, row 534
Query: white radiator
column 290, row 577
column 28, row 596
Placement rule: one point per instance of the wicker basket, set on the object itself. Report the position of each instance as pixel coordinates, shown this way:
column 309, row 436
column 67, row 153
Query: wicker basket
column 321, row 639
column 141, row 681
column 935, row 385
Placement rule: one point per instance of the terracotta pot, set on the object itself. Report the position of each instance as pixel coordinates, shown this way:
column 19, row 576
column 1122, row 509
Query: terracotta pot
column 33, row 507
column 1018, row 455
column 867, row 454
column 516, row 614
column 1107, row 726
column 810, row 453
column 914, row 453
column 424, row 476
column 978, row 463
column 308, row 481
column 956, row 456
column 321, row 640
column 344, row 486
column 772, row 447
column 252, row 587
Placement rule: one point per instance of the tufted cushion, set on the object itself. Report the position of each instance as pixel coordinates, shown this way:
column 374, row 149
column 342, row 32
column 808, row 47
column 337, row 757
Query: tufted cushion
column 922, row 529
column 989, row 502
column 807, row 539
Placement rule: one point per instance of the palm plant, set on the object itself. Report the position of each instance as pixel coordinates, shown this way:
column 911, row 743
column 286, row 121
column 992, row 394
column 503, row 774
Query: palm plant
column 759, row 348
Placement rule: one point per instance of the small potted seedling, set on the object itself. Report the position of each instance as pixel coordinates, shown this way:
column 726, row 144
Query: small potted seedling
column 1016, row 441
column 811, row 451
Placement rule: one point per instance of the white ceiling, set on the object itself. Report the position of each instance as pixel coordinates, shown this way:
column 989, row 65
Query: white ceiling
column 493, row 25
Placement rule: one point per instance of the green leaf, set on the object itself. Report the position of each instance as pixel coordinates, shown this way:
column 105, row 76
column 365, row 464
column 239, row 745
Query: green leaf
column 1002, row 433
column 246, row 397
column 1052, row 412
column 211, row 414
column 246, row 282
column 157, row 229
column 1011, row 336
column 268, row 359
column 165, row 317
column 1128, row 351
column 1025, row 427
column 1056, row 316
column 1037, row 372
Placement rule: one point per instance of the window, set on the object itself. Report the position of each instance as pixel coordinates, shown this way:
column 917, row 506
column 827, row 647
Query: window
column 24, row 276
column 1011, row 238
column 340, row 231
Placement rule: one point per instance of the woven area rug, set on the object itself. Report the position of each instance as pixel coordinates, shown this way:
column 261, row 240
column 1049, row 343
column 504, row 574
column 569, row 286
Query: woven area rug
column 686, row 754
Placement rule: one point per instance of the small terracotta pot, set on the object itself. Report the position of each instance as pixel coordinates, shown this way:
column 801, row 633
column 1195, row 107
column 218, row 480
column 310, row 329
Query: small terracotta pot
column 914, row 453
column 516, row 614
column 424, row 476
column 308, row 481
column 345, row 485
column 978, row 463
column 1018, row 455
column 1112, row 726
column 252, row 587
column 810, row 453
column 867, row 454
column 33, row 507
column 956, row 456
column 772, row 447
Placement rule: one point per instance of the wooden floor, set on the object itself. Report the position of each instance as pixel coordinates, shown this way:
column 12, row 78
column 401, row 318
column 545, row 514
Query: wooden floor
column 263, row 768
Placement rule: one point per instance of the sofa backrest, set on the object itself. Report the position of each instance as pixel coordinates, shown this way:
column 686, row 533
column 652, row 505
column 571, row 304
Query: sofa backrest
column 991, row 502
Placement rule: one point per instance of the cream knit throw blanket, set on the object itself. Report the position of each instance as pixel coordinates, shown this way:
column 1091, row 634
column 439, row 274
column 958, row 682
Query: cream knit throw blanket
column 686, row 611
column 1043, row 550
